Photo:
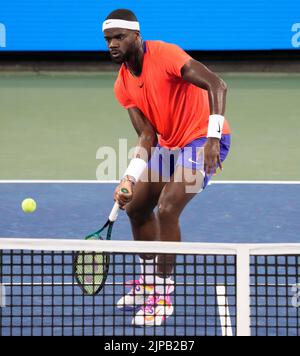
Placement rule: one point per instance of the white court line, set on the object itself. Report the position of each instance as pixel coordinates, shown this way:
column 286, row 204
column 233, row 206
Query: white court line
column 2, row 296
column 224, row 313
column 260, row 182
column 242, row 182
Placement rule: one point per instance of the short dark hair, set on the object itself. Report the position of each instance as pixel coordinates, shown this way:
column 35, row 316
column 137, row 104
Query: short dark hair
column 122, row 14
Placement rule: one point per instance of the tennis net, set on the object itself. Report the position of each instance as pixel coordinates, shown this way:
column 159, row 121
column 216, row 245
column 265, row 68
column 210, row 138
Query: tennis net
column 220, row 289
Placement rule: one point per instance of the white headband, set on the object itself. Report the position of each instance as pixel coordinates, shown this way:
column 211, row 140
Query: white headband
column 127, row 25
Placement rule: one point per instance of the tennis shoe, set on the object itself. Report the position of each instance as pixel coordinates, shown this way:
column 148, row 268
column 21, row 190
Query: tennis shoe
column 155, row 311
column 137, row 295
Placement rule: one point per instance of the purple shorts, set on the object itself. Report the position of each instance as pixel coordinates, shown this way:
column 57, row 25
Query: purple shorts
column 164, row 161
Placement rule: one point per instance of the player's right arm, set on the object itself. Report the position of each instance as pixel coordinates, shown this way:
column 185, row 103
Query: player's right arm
column 147, row 138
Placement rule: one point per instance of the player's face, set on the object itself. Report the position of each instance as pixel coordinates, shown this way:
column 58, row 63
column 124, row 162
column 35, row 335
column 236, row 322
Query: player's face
column 121, row 44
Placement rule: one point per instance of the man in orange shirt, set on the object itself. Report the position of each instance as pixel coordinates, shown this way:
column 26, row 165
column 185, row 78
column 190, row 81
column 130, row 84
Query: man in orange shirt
column 177, row 106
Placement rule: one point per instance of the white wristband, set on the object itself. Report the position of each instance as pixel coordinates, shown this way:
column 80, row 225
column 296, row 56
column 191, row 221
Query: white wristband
column 136, row 168
column 215, row 126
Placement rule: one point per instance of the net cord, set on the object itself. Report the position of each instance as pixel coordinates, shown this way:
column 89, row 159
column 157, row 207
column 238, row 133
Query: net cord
column 190, row 248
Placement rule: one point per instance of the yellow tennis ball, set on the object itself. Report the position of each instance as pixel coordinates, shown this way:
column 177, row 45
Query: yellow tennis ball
column 29, row 206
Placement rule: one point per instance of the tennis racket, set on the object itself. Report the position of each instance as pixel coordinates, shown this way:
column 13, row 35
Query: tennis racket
column 91, row 268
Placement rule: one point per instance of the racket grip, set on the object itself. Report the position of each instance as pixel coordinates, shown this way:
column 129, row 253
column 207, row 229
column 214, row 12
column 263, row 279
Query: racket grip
column 114, row 213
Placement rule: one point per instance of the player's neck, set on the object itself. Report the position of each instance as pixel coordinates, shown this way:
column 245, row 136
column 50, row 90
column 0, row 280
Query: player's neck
column 135, row 64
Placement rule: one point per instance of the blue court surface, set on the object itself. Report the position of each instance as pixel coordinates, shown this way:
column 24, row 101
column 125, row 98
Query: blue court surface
column 229, row 213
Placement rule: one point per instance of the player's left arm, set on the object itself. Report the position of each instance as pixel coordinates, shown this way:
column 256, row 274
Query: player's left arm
column 198, row 74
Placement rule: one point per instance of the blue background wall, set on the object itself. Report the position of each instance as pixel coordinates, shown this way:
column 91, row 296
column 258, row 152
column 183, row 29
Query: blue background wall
column 71, row 25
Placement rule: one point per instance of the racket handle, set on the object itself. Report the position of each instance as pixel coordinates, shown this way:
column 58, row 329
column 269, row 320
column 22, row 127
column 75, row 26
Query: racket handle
column 114, row 213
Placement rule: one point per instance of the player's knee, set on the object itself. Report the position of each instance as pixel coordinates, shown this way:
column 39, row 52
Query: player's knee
column 167, row 212
column 138, row 217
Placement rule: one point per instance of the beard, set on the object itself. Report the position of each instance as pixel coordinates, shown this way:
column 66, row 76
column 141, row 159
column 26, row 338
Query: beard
column 124, row 57
column 118, row 60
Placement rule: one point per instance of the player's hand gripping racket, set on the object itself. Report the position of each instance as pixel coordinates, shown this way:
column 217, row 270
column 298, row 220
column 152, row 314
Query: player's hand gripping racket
column 91, row 268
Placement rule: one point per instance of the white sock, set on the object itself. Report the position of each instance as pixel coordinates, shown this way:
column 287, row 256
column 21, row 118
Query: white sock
column 148, row 270
column 164, row 286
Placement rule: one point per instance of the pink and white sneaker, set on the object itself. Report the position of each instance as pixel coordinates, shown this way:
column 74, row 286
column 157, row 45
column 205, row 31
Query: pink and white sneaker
column 156, row 310
column 137, row 295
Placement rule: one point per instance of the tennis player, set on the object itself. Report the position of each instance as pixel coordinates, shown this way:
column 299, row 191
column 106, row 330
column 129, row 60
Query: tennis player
column 177, row 107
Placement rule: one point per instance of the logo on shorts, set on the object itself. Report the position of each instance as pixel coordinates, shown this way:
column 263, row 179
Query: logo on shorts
column 194, row 162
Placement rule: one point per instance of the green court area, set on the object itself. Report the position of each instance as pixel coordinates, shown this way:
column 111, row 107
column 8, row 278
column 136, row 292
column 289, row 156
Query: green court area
column 52, row 125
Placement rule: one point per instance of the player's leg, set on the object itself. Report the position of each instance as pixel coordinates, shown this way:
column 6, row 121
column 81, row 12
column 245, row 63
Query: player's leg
column 188, row 179
column 146, row 194
column 175, row 196
column 145, row 228
column 141, row 209
column 158, row 306
column 173, row 199
column 144, row 222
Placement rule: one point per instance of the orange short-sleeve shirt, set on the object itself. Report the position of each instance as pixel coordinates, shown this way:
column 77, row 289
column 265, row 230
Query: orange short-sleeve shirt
column 179, row 111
